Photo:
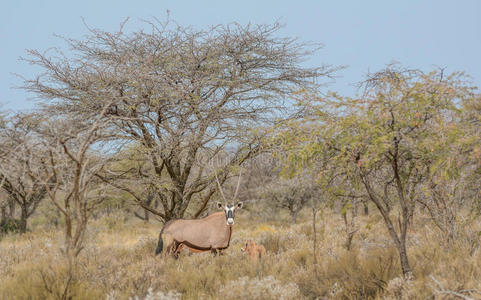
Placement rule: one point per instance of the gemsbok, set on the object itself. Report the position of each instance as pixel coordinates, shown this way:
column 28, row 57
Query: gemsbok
column 212, row 233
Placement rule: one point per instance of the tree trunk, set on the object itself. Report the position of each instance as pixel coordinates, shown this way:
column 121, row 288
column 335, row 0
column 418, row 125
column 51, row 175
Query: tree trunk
column 399, row 240
column 350, row 231
column 146, row 216
column 314, row 232
column 400, row 243
column 68, row 236
column 4, row 213
column 3, row 219
column 294, row 217
column 407, row 273
column 23, row 220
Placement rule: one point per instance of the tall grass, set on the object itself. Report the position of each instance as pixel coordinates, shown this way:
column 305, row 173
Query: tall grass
column 118, row 262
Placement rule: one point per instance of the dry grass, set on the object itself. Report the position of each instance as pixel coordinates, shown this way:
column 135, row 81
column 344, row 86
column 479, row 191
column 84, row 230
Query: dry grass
column 119, row 263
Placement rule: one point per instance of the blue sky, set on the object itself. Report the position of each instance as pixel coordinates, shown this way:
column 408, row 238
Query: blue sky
column 363, row 35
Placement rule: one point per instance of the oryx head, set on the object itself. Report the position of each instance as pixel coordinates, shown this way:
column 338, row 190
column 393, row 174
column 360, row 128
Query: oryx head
column 229, row 209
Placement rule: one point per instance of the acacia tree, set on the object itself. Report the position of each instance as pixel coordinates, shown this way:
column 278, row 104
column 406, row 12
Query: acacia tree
column 388, row 140
column 70, row 168
column 18, row 167
column 292, row 194
column 452, row 189
column 183, row 95
column 451, row 193
column 471, row 147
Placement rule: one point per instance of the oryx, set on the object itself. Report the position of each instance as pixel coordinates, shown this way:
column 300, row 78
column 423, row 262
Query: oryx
column 212, row 233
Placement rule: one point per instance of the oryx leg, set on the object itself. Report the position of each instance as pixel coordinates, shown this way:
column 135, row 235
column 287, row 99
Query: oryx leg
column 177, row 248
column 217, row 251
column 169, row 243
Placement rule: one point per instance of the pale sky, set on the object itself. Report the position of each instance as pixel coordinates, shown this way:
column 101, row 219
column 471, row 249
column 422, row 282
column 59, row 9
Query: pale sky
column 362, row 35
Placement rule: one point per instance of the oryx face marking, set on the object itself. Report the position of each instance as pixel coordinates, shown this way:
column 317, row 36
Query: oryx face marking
column 229, row 214
column 229, row 211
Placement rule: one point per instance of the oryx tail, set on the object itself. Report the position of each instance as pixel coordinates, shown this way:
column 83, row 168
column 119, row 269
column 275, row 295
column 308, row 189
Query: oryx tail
column 160, row 245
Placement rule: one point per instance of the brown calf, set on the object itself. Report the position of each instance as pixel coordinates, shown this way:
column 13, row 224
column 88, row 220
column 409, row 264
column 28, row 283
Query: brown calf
column 255, row 251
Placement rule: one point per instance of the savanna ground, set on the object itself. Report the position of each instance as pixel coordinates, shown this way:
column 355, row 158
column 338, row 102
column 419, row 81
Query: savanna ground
column 118, row 262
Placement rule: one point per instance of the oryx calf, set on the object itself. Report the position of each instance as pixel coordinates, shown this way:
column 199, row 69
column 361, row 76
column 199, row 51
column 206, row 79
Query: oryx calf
column 254, row 250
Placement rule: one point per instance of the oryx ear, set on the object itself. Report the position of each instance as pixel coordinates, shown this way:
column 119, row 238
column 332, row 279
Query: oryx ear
column 239, row 205
column 219, row 205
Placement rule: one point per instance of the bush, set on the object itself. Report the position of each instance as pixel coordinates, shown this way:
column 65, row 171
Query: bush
column 9, row 225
